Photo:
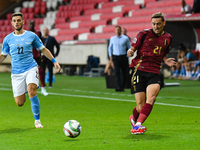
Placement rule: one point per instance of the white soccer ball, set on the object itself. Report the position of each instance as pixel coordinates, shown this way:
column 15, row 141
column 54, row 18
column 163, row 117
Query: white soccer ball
column 72, row 128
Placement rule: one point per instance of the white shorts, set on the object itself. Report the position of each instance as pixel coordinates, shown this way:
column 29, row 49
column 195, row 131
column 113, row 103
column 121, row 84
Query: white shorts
column 21, row 81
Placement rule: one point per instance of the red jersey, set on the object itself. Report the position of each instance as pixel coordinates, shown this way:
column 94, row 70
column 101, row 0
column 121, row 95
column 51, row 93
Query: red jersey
column 151, row 50
column 35, row 52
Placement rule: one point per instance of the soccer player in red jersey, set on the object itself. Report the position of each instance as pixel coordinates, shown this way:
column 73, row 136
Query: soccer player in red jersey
column 37, row 57
column 152, row 46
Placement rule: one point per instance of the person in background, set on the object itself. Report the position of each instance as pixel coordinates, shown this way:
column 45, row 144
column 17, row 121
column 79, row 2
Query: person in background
column 37, row 57
column 117, row 52
column 24, row 74
column 185, row 8
column 49, row 42
column 153, row 46
column 196, row 6
column 124, row 32
column 108, row 68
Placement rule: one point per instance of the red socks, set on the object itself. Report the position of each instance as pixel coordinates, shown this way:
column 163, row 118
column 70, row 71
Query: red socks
column 42, row 76
column 144, row 113
column 135, row 114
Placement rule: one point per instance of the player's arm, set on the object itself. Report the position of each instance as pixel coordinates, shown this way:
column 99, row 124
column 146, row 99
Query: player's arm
column 48, row 54
column 131, row 51
column 169, row 61
column 2, row 57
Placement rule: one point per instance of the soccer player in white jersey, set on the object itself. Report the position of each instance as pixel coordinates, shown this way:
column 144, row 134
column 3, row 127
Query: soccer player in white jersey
column 24, row 73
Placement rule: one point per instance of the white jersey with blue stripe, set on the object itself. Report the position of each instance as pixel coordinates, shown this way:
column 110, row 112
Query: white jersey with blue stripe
column 19, row 47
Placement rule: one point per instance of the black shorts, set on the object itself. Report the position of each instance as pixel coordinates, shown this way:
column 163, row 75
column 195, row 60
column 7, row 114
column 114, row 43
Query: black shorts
column 38, row 60
column 140, row 80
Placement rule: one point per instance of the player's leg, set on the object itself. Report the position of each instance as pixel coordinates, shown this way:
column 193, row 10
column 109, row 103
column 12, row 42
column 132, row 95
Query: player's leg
column 18, row 86
column 41, row 76
column 152, row 92
column 140, row 101
column 32, row 80
column 117, row 72
column 50, row 68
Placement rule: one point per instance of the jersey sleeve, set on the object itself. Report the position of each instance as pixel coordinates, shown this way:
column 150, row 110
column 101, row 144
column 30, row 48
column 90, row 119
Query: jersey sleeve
column 37, row 43
column 5, row 47
column 137, row 42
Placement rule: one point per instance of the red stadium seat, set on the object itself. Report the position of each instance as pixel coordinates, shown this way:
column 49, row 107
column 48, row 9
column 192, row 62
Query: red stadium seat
column 9, row 16
column 43, row 10
column 37, row 4
column 81, row 18
column 101, row 35
column 74, row 31
column 62, row 25
column 111, row 15
column 62, row 38
column 7, row 22
column 37, row 10
column 93, row 23
column 31, row 10
column 1, row 22
column 24, row 10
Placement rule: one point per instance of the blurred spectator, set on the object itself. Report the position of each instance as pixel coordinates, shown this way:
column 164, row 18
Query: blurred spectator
column 179, row 71
column 117, row 53
column 108, row 68
column 185, row 7
column 124, row 32
column 196, row 6
column 49, row 42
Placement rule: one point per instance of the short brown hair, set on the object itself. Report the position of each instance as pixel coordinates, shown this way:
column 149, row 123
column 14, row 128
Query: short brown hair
column 118, row 27
column 158, row 15
column 17, row 14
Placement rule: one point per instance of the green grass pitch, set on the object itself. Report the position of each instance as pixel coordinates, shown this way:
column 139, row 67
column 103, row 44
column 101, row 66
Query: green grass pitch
column 174, row 123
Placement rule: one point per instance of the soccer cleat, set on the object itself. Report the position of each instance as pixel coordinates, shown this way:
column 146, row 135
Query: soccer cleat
column 44, row 92
column 38, row 124
column 138, row 129
column 132, row 122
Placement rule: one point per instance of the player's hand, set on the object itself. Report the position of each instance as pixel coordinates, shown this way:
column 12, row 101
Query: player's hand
column 57, row 66
column 170, row 62
column 130, row 53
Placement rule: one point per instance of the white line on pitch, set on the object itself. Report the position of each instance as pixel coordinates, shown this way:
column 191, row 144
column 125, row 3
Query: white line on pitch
column 111, row 99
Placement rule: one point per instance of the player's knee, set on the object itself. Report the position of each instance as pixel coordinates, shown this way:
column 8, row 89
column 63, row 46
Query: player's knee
column 19, row 104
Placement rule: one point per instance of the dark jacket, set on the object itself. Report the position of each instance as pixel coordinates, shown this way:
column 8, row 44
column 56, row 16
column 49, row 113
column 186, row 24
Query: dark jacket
column 49, row 43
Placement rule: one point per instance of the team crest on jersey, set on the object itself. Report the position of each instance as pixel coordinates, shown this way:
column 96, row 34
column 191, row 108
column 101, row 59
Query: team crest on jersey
column 22, row 39
column 134, row 40
column 151, row 39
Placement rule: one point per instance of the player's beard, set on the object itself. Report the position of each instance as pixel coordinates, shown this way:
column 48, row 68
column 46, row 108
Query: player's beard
column 19, row 28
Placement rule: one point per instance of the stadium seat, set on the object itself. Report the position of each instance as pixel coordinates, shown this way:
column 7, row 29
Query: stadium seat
column 81, row 18
column 31, row 4
column 96, row 11
column 25, row 4
column 73, row 31
column 62, row 25
column 24, row 10
column 37, row 11
column 9, row 16
column 43, row 11
column 62, row 38
column 17, row 9
column 31, row 10
column 7, row 22
column 100, row 35
column 93, row 23
column 163, row 4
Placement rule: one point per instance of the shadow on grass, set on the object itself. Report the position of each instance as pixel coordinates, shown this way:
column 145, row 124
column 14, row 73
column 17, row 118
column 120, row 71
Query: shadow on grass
column 14, row 130
column 149, row 136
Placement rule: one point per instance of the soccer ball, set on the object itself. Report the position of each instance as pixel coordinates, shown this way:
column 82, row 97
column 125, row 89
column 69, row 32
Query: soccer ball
column 72, row 128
